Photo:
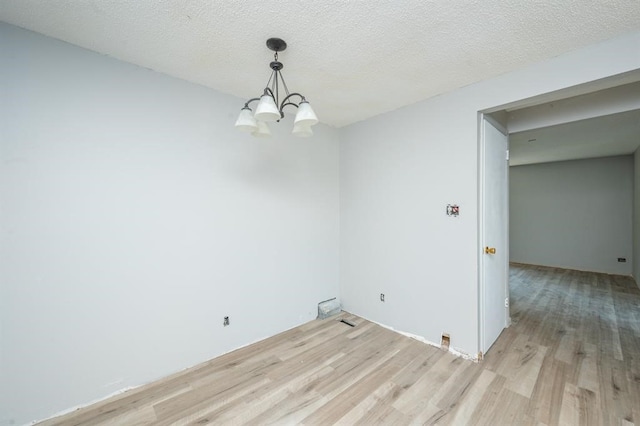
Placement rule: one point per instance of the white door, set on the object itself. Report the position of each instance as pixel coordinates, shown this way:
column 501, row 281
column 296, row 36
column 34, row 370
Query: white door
column 494, row 258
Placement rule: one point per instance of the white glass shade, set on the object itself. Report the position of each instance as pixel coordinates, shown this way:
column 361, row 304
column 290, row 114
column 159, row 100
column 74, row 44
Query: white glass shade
column 305, row 115
column 262, row 130
column 245, row 121
column 302, row 131
column 267, row 110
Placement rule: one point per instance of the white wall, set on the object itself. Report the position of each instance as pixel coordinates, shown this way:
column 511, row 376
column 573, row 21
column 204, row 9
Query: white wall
column 636, row 216
column 573, row 214
column 134, row 217
column 398, row 172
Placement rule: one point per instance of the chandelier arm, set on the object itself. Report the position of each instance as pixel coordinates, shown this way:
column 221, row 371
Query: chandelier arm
column 268, row 91
column 246, row 104
column 286, row 89
column 270, row 78
column 286, row 99
column 284, row 105
column 276, row 85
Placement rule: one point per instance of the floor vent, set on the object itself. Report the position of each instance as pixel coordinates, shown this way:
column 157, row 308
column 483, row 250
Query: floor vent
column 328, row 308
column 350, row 324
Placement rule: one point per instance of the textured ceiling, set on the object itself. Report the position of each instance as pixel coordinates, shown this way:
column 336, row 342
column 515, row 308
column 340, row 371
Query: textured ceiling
column 352, row 59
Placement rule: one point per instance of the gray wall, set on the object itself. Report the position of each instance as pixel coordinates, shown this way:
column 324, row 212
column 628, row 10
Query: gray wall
column 636, row 217
column 573, row 214
column 134, row 217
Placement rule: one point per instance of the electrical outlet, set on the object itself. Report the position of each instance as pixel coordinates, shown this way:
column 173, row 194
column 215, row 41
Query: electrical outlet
column 453, row 210
column 225, row 321
column 506, row 302
column 382, row 297
column 622, row 259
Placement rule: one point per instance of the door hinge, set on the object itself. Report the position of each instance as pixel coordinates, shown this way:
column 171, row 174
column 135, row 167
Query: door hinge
column 507, row 156
column 506, row 302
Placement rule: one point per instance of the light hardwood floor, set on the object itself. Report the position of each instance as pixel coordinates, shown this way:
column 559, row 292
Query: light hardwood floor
column 571, row 356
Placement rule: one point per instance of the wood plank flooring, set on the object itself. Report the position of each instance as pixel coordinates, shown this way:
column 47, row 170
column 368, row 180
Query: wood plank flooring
column 571, row 356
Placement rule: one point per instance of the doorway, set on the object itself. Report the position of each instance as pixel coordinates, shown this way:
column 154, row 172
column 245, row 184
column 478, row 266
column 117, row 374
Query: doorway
column 585, row 102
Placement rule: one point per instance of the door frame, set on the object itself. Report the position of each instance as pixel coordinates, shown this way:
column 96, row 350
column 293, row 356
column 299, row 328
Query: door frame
column 587, row 87
column 482, row 117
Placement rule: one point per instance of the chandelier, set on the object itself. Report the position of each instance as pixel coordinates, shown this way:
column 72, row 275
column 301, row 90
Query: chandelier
column 270, row 106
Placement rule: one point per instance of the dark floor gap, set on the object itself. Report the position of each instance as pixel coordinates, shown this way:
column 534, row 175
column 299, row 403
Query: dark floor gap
column 350, row 324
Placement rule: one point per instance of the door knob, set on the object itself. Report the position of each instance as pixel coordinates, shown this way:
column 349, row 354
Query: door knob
column 490, row 250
